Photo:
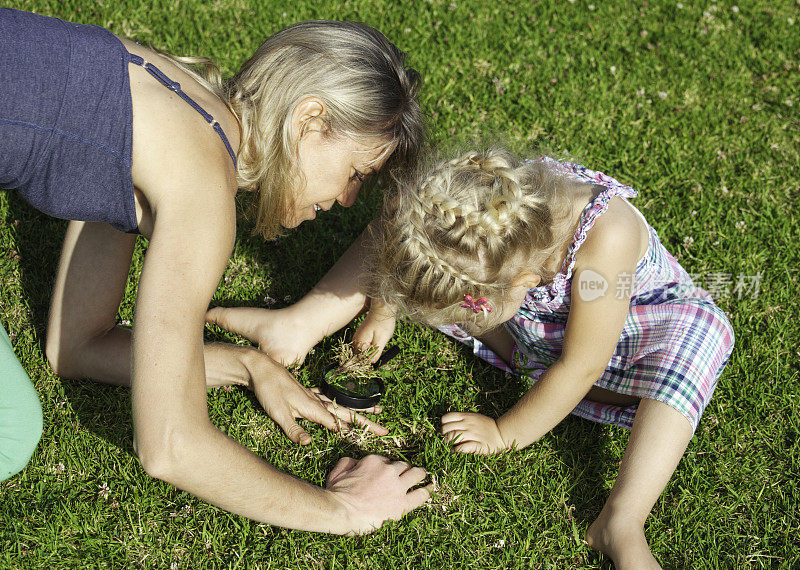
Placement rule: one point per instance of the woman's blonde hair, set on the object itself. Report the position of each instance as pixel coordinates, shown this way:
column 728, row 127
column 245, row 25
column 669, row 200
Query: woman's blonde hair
column 467, row 226
column 360, row 76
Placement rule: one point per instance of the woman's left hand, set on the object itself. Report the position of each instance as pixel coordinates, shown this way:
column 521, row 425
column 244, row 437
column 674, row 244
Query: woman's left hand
column 472, row 433
column 285, row 399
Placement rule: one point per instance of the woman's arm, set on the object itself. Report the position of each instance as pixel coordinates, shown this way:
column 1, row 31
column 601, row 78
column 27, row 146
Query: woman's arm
column 192, row 239
column 592, row 333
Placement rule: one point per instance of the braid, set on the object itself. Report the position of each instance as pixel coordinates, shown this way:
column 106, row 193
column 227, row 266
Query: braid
column 496, row 214
column 439, row 264
column 418, row 240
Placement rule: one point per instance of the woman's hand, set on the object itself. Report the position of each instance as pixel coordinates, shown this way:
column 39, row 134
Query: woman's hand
column 376, row 329
column 280, row 333
column 472, row 433
column 376, row 489
column 285, row 399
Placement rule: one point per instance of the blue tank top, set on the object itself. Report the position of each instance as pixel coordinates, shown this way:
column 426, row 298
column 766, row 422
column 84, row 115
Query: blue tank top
column 66, row 118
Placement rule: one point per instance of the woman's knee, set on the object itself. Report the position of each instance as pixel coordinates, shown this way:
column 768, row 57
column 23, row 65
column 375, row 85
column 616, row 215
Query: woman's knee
column 18, row 448
column 20, row 412
column 65, row 354
column 57, row 354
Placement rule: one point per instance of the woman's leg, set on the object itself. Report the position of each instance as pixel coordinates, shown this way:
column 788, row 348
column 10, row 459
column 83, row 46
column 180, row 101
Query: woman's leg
column 658, row 440
column 83, row 339
column 20, row 412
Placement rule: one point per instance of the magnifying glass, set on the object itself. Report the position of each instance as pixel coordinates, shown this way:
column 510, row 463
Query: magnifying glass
column 356, row 393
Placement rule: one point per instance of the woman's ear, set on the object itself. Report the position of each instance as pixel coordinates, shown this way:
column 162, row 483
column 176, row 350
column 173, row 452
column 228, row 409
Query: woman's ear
column 529, row 279
column 309, row 115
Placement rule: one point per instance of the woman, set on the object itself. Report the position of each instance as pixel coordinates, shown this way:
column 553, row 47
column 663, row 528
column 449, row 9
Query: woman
column 125, row 140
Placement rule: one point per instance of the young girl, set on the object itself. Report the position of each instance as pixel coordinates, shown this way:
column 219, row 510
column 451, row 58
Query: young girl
column 127, row 140
column 555, row 276
column 596, row 313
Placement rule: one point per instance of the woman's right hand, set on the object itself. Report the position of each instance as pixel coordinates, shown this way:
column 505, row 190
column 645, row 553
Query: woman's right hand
column 375, row 489
column 274, row 331
column 377, row 327
column 285, row 399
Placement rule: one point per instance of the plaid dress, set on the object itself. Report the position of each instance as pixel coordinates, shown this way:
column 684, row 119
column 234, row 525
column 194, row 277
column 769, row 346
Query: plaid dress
column 675, row 341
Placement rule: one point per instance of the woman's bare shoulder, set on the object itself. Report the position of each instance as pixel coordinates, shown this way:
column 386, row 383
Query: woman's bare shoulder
column 172, row 142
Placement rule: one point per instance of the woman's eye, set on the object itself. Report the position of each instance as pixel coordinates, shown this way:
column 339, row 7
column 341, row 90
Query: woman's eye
column 357, row 176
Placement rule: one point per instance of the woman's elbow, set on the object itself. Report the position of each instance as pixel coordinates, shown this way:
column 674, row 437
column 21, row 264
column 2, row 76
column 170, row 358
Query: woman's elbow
column 158, row 454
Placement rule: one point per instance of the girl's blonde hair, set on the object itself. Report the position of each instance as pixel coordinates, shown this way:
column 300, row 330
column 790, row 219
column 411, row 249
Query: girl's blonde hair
column 360, row 76
column 467, row 226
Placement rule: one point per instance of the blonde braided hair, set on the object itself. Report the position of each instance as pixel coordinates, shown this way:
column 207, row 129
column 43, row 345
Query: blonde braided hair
column 467, row 226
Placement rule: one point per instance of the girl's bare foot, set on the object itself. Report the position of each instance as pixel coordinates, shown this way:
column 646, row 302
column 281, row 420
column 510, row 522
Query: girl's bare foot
column 276, row 332
column 622, row 540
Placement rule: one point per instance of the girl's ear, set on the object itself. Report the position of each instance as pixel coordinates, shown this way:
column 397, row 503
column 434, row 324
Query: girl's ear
column 308, row 115
column 527, row 278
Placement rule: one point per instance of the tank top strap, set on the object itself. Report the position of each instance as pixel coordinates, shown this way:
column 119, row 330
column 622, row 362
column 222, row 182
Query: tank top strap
column 591, row 212
column 176, row 87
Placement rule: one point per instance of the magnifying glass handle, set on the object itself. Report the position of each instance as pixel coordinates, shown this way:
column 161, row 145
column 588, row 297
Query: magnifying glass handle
column 387, row 356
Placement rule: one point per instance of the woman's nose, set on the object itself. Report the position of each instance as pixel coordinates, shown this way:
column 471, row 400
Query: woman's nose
column 348, row 197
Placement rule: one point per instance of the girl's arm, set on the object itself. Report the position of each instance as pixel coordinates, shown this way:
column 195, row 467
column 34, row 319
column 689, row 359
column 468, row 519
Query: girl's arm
column 592, row 333
column 192, row 238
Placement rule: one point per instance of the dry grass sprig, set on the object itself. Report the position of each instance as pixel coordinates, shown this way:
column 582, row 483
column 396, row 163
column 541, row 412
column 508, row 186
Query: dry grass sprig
column 355, row 364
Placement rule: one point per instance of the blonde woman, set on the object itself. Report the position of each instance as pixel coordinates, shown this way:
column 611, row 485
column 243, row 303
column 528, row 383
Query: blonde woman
column 125, row 140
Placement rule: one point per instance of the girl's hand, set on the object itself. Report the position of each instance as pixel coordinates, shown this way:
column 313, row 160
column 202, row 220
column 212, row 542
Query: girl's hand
column 376, row 329
column 376, row 489
column 276, row 332
column 285, row 399
column 472, row 433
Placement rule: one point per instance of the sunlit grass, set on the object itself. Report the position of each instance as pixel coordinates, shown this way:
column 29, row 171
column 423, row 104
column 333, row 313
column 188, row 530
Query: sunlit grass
column 695, row 104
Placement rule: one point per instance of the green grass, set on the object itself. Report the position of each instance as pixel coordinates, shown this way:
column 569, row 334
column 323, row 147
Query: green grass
column 696, row 106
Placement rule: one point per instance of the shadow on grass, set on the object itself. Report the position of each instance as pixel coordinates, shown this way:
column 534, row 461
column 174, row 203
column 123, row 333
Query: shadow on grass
column 39, row 239
column 301, row 257
column 102, row 409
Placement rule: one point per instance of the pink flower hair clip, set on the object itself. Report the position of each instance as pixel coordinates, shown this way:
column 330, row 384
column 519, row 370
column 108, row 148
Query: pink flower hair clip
column 477, row 306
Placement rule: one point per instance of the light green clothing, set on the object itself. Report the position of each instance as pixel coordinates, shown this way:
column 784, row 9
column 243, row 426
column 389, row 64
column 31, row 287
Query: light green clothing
column 20, row 412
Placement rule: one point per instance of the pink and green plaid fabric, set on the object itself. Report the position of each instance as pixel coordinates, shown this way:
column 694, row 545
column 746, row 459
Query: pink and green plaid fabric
column 673, row 346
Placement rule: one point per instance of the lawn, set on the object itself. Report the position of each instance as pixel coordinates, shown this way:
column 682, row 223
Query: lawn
column 694, row 103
